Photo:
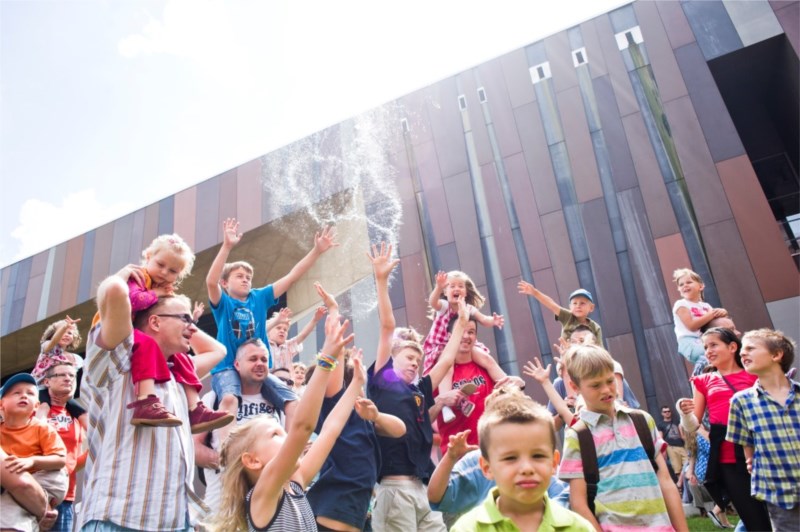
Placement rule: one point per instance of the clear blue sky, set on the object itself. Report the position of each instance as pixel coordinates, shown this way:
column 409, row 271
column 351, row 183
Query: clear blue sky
column 107, row 106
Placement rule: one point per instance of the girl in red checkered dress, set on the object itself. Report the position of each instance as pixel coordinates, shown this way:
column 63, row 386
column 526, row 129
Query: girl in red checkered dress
column 449, row 288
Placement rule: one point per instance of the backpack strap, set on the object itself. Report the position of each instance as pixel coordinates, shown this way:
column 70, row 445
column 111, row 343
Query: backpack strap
column 645, row 436
column 591, row 472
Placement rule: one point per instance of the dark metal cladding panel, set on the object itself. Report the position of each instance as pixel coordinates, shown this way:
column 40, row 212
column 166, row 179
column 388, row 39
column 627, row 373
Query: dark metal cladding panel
column 537, row 158
column 712, row 27
column 500, row 111
column 659, row 51
column 623, row 170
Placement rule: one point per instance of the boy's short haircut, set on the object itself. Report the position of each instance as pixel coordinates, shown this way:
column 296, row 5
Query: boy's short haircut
column 587, row 361
column 452, row 323
column 230, row 266
column 510, row 405
column 250, row 341
column 775, row 341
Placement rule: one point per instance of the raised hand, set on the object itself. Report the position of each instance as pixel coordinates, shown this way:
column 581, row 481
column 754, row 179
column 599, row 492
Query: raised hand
column 70, row 322
column 498, row 320
column 536, row 371
column 132, row 270
column 457, row 447
column 441, row 280
column 327, row 299
column 366, row 409
column 321, row 310
column 463, row 311
column 526, row 288
column 199, row 308
column 335, row 339
column 230, row 232
column 381, row 259
column 285, row 315
column 561, row 347
column 325, row 240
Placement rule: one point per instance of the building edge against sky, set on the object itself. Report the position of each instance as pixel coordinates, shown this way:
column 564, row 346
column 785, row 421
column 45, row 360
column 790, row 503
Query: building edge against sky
column 656, row 136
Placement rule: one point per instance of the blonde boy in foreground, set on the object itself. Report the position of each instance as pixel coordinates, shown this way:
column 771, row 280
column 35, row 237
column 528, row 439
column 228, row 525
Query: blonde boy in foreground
column 630, row 494
column 517, row 441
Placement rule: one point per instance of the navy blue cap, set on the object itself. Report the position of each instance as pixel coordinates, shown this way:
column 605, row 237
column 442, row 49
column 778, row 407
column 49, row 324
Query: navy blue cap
column 580, row 292
column 14, row 379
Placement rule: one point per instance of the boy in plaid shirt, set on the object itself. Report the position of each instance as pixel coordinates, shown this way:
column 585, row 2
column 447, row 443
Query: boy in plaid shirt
column 765, row 419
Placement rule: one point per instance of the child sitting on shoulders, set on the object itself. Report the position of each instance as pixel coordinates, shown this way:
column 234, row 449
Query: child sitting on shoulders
column 517, row 443
column 444, row 304
column 765, row 419
column 690, row 314
column 31, row 446
column 265, row 477
column 581, row 304
column 165, row 263
column 285, row 350
column 57, row 338
column 629, row 493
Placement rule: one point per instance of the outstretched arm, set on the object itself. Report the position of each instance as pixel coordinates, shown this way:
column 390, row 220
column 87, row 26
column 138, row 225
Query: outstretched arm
column 448, row 356
column 208, row 352
column 230, row 237
column 541, row 375
column 385, row 424
column 312, row 323
column 434, row 300
column 495, row 320
column 547, row 301
column 382, row 266
column 322, row 242
column 60, row 331
column 115, row 309
column 457, row 447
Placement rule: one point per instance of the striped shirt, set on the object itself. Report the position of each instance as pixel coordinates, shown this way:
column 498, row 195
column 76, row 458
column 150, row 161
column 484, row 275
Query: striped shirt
column 136, row 477
column 628, row 495
column 293, row 513
column 773, row 429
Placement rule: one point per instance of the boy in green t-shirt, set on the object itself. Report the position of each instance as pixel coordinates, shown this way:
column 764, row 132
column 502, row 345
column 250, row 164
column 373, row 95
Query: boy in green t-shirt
column 517, row 442
column 581, row 304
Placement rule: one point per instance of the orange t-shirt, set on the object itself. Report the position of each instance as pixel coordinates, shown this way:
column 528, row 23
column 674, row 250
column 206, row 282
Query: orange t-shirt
column 37, row 438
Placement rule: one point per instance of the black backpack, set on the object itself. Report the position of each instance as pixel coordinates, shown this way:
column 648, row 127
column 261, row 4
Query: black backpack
column 591, row 472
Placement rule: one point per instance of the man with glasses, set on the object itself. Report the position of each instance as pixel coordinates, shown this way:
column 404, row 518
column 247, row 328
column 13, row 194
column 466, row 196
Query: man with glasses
column 139, row 477
column 676, row 450
column 60, row 381
column 252, row 366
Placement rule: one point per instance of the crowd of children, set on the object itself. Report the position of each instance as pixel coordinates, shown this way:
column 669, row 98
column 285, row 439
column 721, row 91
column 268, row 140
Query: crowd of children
column 339, row 446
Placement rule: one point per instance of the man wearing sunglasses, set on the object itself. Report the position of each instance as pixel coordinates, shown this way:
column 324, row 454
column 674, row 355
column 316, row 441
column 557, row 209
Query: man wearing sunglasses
column 139, row 477
column 252, row 366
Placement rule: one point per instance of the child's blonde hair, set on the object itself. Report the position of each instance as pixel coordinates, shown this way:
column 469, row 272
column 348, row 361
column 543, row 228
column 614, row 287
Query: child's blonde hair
column 235, row 484
column 585, row 361
column 53, row 327
column 230, row 266
column 683, row 272
column 176, row 245
column 775, row 341
column 473, row 297
column 509, row 405
column 404, row 337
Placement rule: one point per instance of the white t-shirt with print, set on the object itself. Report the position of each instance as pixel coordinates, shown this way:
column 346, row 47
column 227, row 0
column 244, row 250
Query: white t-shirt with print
column 695, row 309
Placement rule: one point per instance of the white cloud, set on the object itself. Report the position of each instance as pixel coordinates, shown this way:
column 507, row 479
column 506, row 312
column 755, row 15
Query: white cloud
column 43, row 224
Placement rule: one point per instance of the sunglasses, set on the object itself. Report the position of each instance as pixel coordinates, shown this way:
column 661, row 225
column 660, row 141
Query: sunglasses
column 185, row 318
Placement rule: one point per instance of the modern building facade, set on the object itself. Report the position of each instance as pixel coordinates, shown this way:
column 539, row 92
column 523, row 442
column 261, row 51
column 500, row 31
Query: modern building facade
column 660, row 135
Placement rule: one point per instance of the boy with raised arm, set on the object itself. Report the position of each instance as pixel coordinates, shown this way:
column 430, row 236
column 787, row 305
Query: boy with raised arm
column 240, row 312
column 581, row 304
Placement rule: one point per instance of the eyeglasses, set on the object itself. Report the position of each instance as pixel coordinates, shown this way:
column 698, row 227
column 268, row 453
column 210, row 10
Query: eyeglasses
column 62, row 376
column 185, row 318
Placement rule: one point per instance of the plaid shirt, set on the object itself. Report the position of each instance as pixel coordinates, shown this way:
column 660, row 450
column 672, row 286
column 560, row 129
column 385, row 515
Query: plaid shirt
column 757, row 420
column 438, row 336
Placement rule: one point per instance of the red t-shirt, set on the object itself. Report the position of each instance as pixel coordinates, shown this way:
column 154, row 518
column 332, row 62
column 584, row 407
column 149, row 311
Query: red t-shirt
column 462, row 374
column 70, row 431
column 718, row 401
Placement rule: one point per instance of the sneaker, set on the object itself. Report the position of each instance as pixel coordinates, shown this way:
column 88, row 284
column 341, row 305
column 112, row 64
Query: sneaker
column 447, row 414
column 150, row 412
column 203, row 419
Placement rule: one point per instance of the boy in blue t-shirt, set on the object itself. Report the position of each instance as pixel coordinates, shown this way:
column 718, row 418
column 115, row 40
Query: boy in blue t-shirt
column 241, row 312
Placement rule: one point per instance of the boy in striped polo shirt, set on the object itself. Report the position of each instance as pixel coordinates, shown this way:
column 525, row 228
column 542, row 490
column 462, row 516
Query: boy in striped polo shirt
column 765, row 419
column 630, row 494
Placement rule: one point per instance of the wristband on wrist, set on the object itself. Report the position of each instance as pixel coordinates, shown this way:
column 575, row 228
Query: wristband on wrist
column 326, row 362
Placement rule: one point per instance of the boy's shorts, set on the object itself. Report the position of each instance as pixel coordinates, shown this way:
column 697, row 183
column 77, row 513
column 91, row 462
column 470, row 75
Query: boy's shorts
column 691, row 348
column 15, row 517
column 228, row 382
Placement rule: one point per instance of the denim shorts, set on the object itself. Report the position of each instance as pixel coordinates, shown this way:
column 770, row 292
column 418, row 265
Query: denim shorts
column 226, row 382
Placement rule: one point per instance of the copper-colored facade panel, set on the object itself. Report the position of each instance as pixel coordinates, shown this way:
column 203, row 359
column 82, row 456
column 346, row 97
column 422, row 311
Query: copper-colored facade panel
column 519, row 318
column 537, row 158
column 461, row 205
column 545, row 281
column 518, row 78
column 439, row 214
column 623, row 350
column 626, row 101
column 702, row 180
column 560, row 57
column 788, row 13
column 150, row 229
column 445, row 128
column 248, row 197
column 672, row 255
column 416, row 289
column 32, row 299
column 185, row 214
column 206, row 226
column 555, row 233
column 594, row 56
column 733, row 275
column 228, row 186
column 579, row 146
column 659, row 50
column 678, row 30
column 499, row 105
column 103, row 236
column 501, row 230
column 56, row 287
column 410, row 236
column 527, row 213
column 773, row 266
column 72, row 272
